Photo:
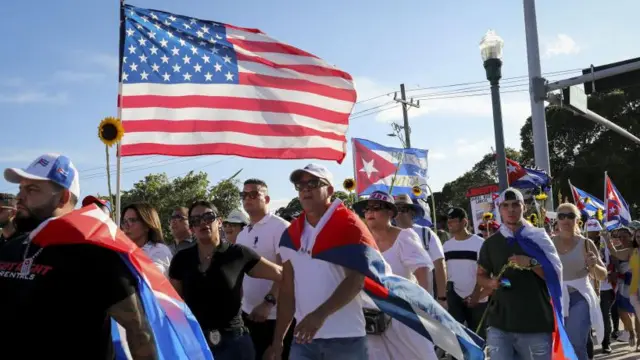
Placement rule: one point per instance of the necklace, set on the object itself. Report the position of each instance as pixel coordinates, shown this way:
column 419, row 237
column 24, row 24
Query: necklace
column 25, row 269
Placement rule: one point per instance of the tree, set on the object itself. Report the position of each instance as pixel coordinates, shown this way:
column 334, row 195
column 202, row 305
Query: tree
column 165, row 195
column 484, row 172
column 581, row 150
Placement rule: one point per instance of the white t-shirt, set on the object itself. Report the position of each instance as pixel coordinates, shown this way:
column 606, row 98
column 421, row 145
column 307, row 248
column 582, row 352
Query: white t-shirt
column 406, row 255
column 430, row 242
column 462, row 263
column 160, row 254
column 264, row 238
column 315, row 281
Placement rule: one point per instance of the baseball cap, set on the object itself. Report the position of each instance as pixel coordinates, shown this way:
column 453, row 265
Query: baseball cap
column 92, row 199
column 456, row 213
column 510, row 194
column 237, row 216
column 316, row 170
column 51, row 167
column 7, row 200
column 593, row 225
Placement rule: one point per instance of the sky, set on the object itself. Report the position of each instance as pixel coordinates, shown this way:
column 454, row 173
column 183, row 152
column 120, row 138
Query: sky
column 58, row 75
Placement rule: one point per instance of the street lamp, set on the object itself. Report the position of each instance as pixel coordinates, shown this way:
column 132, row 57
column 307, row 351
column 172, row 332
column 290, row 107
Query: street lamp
column 491, row 52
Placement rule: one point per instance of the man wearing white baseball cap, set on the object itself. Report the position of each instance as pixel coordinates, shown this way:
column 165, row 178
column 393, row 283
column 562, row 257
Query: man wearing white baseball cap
column 81, row 286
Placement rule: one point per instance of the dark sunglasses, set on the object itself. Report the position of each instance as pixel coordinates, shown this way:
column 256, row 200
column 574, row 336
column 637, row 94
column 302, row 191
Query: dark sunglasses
column 376, row 208
column 404, row 209
column 249, row 194
column 207, row 218
column 311, row 184
column 570, row 216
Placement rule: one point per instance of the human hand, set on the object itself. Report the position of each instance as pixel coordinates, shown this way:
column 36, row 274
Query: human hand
column 591, row 259
column 261, row 312
column 520, row 260
column 444, row 304
column 308, row 327
column 273, row 352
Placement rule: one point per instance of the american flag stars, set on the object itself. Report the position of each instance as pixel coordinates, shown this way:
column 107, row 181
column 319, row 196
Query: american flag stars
column 165, row 49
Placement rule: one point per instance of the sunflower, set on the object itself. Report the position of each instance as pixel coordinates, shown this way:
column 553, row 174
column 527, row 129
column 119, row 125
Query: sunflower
column 110, row 131
column 416, row 190
column 599, row 215
column 541, row 197
column 487, row 216
column 533, row 219
column 349, row 184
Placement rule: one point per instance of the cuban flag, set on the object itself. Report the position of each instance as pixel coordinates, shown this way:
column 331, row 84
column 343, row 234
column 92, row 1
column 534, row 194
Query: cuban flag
column 375, row 166
column 585, row 201
column 343, row 239
column 176, row 330
column 537, row 244
column 617, row 210
column 526, row 178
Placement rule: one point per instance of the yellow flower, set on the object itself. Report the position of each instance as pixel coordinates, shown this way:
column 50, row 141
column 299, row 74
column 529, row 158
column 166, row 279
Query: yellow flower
column 599, row 215
column 487, row 216
column 533, row 219
column 541, row 197
column 349, row 184
column 110, row 131
column 416, row 190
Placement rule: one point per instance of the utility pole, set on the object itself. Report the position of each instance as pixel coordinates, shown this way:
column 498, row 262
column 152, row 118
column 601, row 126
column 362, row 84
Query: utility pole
column 405, row 113
column 538, row 121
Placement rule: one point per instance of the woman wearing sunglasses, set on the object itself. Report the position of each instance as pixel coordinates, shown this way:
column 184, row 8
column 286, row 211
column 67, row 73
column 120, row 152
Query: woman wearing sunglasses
column 141, row 223
column 621, row 245
column 403, row 251
column 580, row 261
column 209, row 278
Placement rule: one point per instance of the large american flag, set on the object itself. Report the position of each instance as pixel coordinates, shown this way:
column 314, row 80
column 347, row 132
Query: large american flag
column 196, row 87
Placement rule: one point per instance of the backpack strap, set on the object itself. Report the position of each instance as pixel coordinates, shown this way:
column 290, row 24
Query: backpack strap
column 424, row 238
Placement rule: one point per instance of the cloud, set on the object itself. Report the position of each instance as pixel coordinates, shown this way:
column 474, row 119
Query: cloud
column 464, row 147
column 437, row 155
column 35, row 97
column 105, row 61
column 562, row 44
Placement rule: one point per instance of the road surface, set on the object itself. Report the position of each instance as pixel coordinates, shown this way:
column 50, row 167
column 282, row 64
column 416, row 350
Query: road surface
column 621, row 351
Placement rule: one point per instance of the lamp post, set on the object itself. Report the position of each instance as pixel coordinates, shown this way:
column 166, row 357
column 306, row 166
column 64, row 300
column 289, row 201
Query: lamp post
column 491, row 52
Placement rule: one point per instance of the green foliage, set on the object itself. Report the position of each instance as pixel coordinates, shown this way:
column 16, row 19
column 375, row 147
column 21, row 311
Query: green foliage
column 165, row 194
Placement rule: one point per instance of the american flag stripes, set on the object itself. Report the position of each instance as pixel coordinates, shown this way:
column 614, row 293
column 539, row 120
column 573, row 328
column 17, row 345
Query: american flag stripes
column 196, row 87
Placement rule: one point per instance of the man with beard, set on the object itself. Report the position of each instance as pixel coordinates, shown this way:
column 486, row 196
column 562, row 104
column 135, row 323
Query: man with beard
column 57, row 301
column 7, row 213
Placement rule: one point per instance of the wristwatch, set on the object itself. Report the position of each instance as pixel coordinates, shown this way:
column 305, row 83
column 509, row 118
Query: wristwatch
column 533, row 262
column 270, row 299
column 442, row 298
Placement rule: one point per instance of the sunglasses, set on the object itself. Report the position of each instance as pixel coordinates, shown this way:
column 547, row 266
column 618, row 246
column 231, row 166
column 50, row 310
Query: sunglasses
column 249, row 194
column 311, row 184
column 207, row 218
column 570, row 216
column 376, row 208
column 404, row 209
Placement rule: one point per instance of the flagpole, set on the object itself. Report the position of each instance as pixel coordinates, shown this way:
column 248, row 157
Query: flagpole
column 606, row 199
column 118, row 149
column 575, row 201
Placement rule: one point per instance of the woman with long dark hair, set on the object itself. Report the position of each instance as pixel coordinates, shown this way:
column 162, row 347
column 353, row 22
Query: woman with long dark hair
column 209, row 278
column 141, row 223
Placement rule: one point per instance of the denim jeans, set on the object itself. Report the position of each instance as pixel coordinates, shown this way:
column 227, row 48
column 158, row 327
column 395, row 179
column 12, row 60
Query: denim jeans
column 503, row 345
column 354, row 348
column 578, row 324
column 234, row 348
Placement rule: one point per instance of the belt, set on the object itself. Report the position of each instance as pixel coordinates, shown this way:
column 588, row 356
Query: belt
column 215, row 336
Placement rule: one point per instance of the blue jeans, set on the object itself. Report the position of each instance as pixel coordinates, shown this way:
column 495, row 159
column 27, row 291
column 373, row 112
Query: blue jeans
column 503, row 345
column 354, row 348
column 578, row 324
column 234, row 348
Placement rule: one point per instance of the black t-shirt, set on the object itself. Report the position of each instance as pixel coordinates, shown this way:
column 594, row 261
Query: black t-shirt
column 214, row 296
column 525, row 307
column 15, row 235
column 59, row 309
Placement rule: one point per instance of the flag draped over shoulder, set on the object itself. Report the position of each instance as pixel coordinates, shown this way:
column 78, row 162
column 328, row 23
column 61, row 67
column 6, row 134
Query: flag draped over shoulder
column 345, row 240
column 198, row 87
column 176, row 331
column 536, row 244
